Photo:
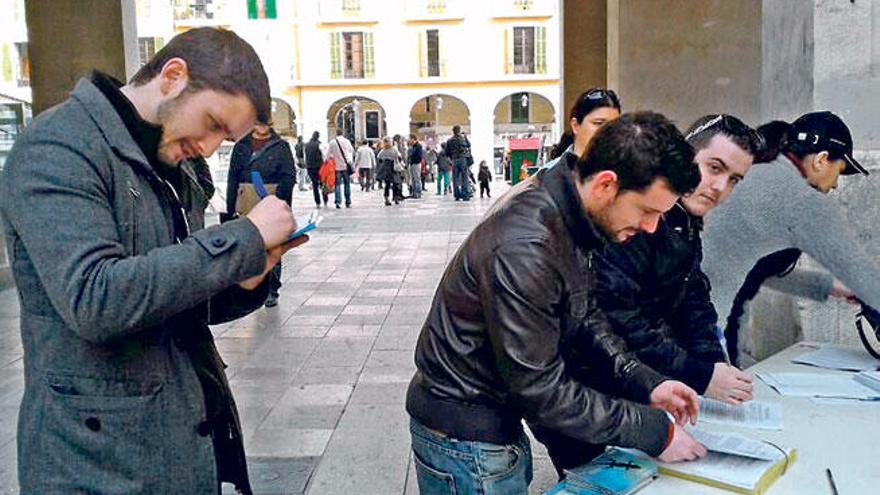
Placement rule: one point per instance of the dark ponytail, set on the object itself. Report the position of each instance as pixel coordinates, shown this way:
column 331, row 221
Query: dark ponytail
column 775, row 134
column 588, row 101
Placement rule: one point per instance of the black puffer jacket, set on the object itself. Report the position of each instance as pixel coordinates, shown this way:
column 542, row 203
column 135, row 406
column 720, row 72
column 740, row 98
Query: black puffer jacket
column 657, row 298
column 515, row 298
column 274, row 162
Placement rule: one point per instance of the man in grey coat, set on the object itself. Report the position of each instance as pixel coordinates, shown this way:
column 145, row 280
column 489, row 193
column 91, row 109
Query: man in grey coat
column 124, row 390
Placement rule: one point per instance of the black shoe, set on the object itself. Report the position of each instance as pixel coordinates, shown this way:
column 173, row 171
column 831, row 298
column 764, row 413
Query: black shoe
column 388, row 203
column 272, row 301
column 338, row 207
column 348, row 205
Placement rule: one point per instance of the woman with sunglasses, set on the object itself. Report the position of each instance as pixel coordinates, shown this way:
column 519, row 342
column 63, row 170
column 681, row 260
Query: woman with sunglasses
column 593, row 108
column 781, row 206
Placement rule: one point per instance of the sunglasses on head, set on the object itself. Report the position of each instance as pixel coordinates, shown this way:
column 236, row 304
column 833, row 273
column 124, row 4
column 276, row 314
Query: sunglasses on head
column 598, row 94
column 730, row 126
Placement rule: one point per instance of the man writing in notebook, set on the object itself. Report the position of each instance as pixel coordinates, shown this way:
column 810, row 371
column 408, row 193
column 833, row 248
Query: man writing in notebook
column 517, row 298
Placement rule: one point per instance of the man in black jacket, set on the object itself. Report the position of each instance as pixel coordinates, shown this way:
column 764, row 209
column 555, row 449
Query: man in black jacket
column 656, row 296
column 517, row 298
column 265, row 152
column 314, row 159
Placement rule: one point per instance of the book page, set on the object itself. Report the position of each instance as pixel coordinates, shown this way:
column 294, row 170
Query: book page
column 733, row 470
column 752, row 414
column 839, row 357
column 736, row 444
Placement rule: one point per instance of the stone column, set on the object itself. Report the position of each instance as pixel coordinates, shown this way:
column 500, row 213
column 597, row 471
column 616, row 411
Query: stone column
column 70, row 38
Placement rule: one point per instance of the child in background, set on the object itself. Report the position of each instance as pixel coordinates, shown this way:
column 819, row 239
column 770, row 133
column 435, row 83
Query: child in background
column 485, row 176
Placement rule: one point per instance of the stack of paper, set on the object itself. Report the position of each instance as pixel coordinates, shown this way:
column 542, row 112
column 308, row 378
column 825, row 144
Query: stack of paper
column 818, row 385
column 736, row 473
column 753, row 414
column 839, row 357
column 735, row 444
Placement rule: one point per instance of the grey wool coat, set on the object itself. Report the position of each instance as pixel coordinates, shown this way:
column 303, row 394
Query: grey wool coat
column 111, row 405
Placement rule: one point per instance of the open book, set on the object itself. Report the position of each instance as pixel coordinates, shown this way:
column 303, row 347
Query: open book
column 751, row 470
column 615, row 472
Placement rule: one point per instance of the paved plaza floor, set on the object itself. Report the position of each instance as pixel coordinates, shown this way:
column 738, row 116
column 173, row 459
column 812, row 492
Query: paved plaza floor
column 320, row 379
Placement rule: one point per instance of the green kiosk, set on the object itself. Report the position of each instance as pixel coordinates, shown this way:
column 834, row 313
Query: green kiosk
column 523, row 158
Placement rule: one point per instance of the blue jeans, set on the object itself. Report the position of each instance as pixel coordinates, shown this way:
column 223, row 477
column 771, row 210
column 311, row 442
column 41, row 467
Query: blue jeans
column 342, row 178
column 460, row 188
column 446, row 466
column 442, row 178
column 415, row 185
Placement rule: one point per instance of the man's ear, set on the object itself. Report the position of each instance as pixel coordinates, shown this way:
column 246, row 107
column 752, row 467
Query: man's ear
column 174, row 77
column 820, row 161
column 604, row 186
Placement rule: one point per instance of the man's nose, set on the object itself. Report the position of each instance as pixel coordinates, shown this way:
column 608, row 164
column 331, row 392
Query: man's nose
column 209, row 145
column 649, row 224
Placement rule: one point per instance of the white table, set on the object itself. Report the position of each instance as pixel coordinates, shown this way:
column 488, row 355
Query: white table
column 845, row 438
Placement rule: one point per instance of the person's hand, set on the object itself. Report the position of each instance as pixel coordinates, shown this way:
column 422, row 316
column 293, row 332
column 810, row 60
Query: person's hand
column 840, row 291
column 273, row 257
column 683, row 447
column 273, row 219
column 729, row 384
column 677, row 399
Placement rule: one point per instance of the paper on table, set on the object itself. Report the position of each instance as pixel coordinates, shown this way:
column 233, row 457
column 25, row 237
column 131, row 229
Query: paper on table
column 839, row 357
column 817, row 385
column 753, row 414
column 735, row 444
column 742, row 472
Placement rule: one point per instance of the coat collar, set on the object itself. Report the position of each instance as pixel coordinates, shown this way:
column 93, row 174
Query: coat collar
column 560, row 183
column 110, row 124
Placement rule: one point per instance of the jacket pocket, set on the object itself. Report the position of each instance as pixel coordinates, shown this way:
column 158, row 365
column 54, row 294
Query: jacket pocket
column 118, row 422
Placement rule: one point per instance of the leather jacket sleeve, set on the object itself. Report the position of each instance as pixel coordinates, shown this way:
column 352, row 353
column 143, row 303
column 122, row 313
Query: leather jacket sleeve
column 696, row 319
column 521, row 287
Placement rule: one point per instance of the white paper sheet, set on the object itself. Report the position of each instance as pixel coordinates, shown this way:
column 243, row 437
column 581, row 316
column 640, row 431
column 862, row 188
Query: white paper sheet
column 839, row 357
column 818, row 385
column 730, row 469
column 752, row 414
column 736, row 444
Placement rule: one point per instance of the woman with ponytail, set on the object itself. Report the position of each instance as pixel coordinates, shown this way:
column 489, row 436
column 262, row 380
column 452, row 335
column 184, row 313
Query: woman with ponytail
column 593, row 108
column 781, row 206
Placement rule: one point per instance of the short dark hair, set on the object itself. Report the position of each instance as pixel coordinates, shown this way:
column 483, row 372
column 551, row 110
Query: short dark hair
column 641, row 147
column 456, row 129
column 701, row 132
column 217, row 60
column 339, row 131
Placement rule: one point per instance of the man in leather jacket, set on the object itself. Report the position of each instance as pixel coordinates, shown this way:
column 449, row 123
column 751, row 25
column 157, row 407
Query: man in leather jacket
column 656, row 296
column 517, row 298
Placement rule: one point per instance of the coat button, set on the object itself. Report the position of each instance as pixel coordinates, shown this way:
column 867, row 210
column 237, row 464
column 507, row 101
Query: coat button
column 203, row 429
column 218, row 242
column 93, row 424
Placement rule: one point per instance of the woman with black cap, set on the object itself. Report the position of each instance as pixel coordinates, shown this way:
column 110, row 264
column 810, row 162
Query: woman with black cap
column 781, row 206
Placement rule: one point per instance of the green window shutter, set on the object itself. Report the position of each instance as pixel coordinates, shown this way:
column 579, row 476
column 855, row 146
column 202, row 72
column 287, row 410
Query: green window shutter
column 541, row 50
column 158, row 43
column 369, row 62
column 252, row 9
column 335, row 56
column 6, row 64
column 271, row 10
column 508, row 50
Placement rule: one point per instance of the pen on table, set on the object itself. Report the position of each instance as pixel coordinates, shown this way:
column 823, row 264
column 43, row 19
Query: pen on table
column 831, row 481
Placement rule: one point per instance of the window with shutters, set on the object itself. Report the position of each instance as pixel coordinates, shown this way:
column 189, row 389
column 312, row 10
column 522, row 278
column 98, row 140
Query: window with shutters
column 146, row 49
column 436, row 6
column 353, row 55
column 262, row 9
column 351, row 7
column 524, row 50
column 433, row 52
column 371, row 124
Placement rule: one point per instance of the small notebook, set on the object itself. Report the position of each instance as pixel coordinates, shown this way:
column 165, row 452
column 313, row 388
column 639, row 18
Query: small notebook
column 736, row 473
column 615, row 472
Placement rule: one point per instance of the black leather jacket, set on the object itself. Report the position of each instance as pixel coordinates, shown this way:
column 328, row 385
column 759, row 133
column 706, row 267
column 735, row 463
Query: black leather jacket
column 511, row 305
column 657, row 298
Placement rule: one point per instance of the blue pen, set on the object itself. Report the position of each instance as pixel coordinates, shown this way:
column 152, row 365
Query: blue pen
column 257, row 180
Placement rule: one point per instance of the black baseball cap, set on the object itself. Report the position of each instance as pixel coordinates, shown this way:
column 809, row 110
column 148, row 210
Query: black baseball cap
column 824, row 131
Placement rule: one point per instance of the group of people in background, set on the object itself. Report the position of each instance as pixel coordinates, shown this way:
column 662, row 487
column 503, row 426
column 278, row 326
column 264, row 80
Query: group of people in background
column 607, row 290
column 386, row 165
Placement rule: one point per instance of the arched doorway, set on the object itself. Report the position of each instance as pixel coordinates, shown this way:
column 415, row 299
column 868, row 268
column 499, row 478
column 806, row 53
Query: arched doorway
column 432, row 118
column 523, row 115
column 283, row 118
column 359, row 118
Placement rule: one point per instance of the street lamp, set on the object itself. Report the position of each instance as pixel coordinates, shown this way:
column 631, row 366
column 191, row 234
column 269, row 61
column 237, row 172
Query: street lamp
column 524, row 100
column 438, row 105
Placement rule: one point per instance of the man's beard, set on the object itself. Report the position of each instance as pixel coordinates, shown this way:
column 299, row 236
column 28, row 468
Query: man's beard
column 602, row 222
